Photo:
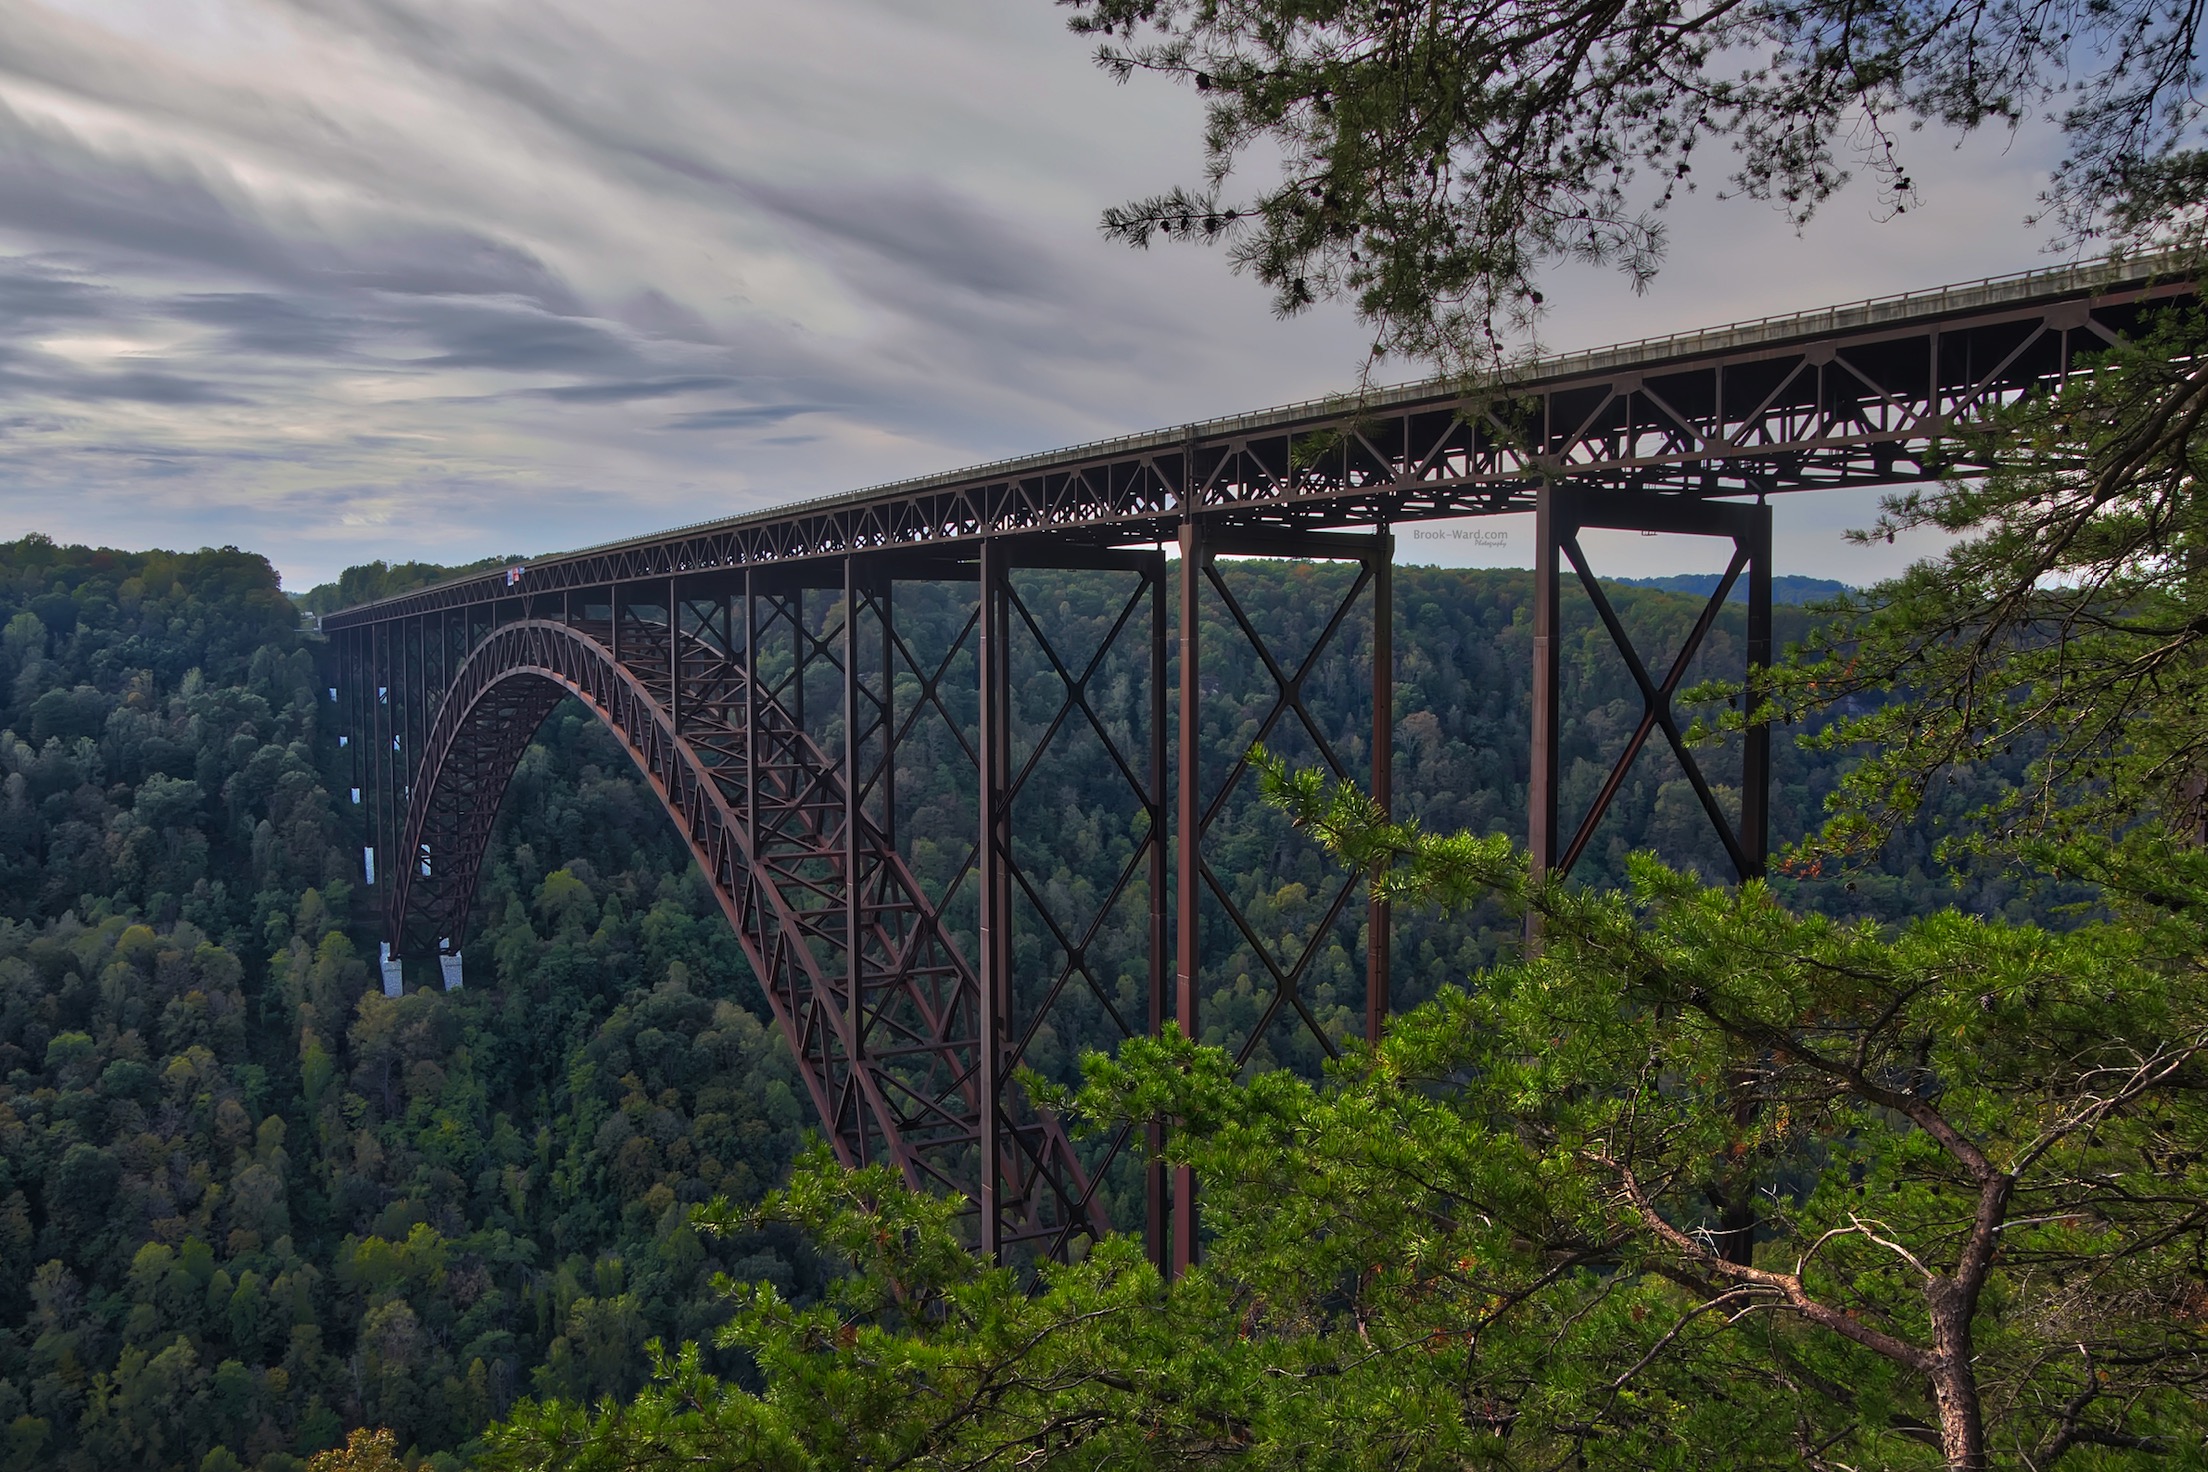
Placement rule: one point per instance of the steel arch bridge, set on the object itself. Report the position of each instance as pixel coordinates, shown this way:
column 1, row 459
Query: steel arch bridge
column 758, row 671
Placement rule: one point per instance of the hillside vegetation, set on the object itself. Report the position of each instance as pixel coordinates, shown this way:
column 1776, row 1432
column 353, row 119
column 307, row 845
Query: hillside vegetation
column 247, row 1202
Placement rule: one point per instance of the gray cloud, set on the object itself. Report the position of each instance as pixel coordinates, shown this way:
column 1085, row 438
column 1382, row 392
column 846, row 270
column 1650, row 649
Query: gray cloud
column 629, row 392
column 60, row 189
column 520, row 340
column 927, row 232
column 36, row 293
column 262, row 322
column 144, row 386
column 352, row 278
column 56, row 187
column 750, row 417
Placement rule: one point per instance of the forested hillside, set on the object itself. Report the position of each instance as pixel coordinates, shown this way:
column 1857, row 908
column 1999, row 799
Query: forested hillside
column 246, row 1201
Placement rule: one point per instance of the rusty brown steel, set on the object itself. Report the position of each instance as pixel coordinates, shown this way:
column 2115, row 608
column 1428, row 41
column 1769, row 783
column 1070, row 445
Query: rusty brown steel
column 907, row 1089
column 1866, row 395
column 699, row 647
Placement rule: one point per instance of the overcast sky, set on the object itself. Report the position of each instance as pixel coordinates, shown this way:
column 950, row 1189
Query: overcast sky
column 344, row 279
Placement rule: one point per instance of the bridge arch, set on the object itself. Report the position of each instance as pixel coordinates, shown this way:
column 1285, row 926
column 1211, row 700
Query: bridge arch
column 915, row 1104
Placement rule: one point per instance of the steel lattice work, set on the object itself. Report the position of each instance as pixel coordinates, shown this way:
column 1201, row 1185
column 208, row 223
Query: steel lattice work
column 759, row 673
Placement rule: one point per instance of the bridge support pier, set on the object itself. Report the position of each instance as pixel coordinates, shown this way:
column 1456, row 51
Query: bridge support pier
column 1561, row 513
column 1097, row 681
column 1180, row 1251
column 993, row 862
column 1197, row 888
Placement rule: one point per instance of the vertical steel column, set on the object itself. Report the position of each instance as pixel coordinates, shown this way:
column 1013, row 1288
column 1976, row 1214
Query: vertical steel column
column 353, row 668
column 395, row 845
column 407, row 636
column 674, row 661
column 390, row 857
column 403, row 632
column 385, row 783
column 1755, row 751
column 1188, row 882
column 992, row 859
column 433, row 681
column 379, row 753
column 801, row 657
column 1549, row 532
column 1155, row 1226
column 348, row 716
column 417, row 723
column 417, row 700
column 751, row 720
column 883, row 609
column 1377, row 917
column 349, row 702
column 374, row 693
column 854, row 971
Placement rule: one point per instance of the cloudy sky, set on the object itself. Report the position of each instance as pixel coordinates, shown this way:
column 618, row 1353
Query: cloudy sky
column 343, row 279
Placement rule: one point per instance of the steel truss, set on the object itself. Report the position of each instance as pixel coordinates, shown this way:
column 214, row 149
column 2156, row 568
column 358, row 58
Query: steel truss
column 766, row 681
column 1563, row 513
column 1107, row 698
column 1866, row 395
column 1198, row 886
column 708, row 693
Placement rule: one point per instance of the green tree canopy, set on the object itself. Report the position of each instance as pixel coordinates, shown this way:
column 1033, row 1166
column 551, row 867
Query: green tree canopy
column 1433, row 158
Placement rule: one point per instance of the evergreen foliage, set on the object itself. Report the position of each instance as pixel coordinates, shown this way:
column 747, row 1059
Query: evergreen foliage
column 248, row 1204
column 1704, row 1183
column 1430, row 161
column 1503, row 1239
column 2068, row 625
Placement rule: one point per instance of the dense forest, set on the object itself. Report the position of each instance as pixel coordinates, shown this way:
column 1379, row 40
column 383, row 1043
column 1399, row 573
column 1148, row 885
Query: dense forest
column 248, row 1202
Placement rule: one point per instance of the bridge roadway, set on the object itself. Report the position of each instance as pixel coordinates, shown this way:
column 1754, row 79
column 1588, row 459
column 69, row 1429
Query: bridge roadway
column 756, row 670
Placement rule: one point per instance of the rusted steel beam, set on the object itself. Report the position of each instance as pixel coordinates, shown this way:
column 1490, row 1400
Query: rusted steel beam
column 1377, row 917
column 1866, row 395
column 1156, row 1227
column 1755, row 755
column 1542, row 775
column 1564, row 514
column 1188, row 825
column 993, row 862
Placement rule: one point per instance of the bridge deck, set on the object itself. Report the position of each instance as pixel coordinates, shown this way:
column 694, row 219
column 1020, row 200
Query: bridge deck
column 1861, row 394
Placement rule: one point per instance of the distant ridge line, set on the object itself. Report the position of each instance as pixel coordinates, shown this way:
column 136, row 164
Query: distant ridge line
column 1785, row 588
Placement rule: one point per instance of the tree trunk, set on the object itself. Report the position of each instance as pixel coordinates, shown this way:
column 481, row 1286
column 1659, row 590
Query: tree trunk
column 1955, row 1378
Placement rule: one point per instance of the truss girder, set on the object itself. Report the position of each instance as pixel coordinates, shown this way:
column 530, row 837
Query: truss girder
column 1873, row 395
